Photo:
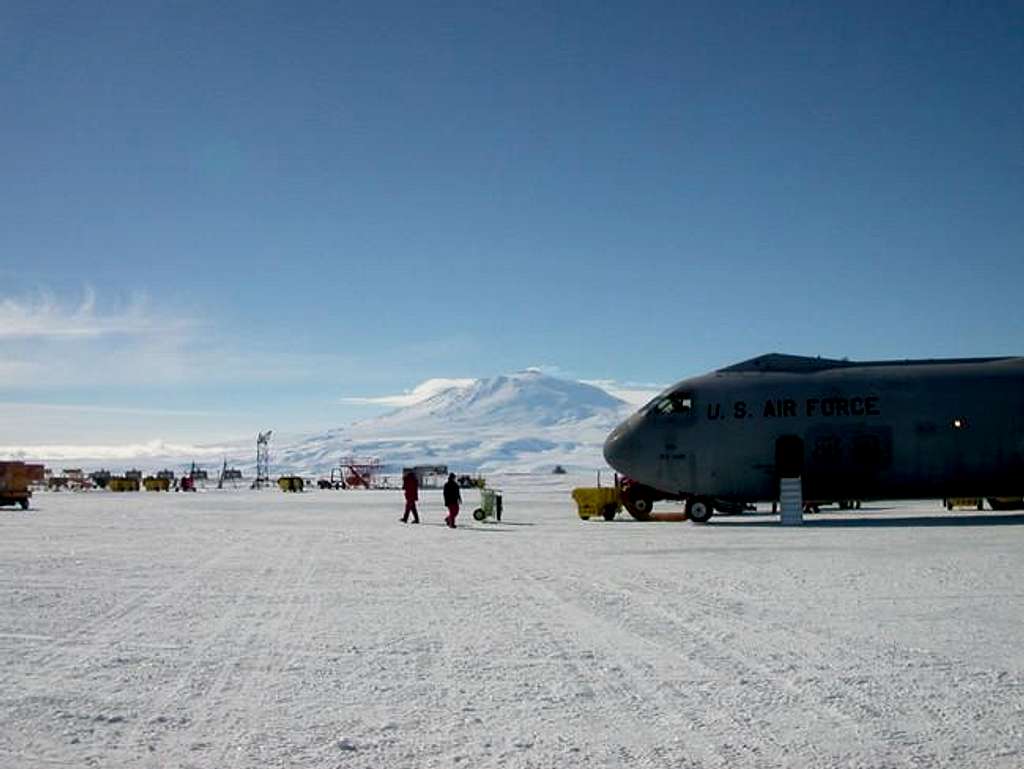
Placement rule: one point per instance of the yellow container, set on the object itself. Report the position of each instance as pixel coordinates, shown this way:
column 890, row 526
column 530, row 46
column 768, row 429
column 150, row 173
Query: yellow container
column 290, row 483
column 591, row 502
column 973, row 502
column 123, row 484
column 157, row 484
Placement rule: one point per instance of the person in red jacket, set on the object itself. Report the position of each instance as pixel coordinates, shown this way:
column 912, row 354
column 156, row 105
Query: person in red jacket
column 452, row 498
column 411, row 487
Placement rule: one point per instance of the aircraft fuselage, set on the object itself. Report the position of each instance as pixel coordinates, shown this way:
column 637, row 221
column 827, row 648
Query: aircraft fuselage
column 891, row 430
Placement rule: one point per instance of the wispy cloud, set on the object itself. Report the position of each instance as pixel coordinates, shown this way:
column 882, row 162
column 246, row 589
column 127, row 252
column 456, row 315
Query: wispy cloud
column 155, row 449
column 86, row 408
column 634, row 393
column 50, row 344
column 418, row 394
column 46, row 343
column 43, row 317
column 550, row 370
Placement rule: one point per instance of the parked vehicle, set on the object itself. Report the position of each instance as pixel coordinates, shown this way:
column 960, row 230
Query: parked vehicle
column 958, row 502
column 600, row 501
column 490, row 505
column 15, row 478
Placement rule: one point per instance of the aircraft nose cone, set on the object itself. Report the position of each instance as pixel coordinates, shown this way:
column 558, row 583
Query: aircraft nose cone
column 621, row 448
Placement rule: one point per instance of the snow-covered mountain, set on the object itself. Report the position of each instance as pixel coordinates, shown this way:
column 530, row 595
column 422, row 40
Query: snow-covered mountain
column 524, row 421
column 528, row 398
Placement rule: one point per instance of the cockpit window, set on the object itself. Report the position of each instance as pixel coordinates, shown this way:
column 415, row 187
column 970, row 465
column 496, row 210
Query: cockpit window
column 674, row 403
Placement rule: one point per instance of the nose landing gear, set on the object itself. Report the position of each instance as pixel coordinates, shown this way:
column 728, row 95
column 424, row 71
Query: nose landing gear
column 638, row 500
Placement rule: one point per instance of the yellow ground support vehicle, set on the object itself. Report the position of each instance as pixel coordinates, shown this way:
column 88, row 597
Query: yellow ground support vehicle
column 14, row 480
column 591, row 502
column 157, row 484
column 123, row 484
column 953, row 503
column 291, row 483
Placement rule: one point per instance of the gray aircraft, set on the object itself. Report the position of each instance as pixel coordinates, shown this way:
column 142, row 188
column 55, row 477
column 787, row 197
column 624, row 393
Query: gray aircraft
column 908, row 429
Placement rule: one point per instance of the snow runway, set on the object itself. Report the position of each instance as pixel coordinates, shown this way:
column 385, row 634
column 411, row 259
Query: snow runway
column 243, row 629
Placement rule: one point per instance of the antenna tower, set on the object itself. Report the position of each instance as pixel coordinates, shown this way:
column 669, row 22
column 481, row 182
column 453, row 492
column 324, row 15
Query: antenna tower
column 262, row 460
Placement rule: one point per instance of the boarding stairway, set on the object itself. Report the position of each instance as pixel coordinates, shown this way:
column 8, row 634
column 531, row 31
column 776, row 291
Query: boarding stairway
column 791, row 502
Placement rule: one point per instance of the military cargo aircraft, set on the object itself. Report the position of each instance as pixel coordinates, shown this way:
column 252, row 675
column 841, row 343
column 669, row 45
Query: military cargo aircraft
column 849, row 429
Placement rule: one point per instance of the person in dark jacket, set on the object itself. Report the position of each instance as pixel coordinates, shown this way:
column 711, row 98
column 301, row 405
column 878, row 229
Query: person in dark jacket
column 452, row 498
column 411, row 487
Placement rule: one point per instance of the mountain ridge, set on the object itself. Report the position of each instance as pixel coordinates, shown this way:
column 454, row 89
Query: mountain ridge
column 528, row 396
column 527, row 421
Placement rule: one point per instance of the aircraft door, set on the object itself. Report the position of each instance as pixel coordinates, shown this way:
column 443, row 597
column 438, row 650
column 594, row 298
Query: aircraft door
column 789, row 456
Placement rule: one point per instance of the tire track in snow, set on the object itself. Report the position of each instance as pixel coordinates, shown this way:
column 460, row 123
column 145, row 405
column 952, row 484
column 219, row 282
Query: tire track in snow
column 857, row 701
column 632, row 694
column 853, row 697
column 165, row 711
column 221, row 651
column 729, row 651
column 109, row 624
column 89, row 665
column 439, row 675
column 276, row 657
column 139, row 738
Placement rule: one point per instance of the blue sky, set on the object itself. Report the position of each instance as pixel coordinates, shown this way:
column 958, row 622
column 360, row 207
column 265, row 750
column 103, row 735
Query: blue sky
column 219, row 218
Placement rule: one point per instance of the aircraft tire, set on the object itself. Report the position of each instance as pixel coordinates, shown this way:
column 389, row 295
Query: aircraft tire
column 699, row 509
column 640, row 508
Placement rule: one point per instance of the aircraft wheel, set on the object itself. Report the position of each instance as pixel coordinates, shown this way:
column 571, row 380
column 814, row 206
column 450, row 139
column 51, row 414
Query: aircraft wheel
column 637, row 502
column 609, row 513
column 478, row 514
column 639, row 507
column 699, row 509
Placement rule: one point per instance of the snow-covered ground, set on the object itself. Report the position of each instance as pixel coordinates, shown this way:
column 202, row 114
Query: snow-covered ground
column 246, row 629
